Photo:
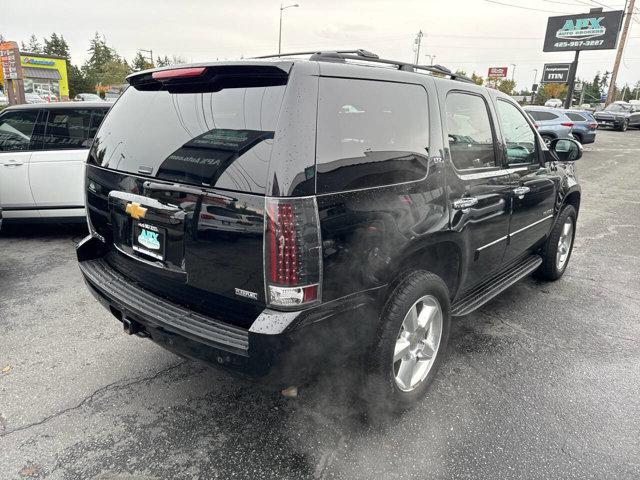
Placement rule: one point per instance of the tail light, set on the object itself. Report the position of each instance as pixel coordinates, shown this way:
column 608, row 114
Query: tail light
column 567, row 124
column 593, row 126
column 536, row 125
column 293, row 262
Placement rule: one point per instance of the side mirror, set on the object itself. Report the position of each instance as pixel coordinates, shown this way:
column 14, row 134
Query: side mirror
column 565, row 149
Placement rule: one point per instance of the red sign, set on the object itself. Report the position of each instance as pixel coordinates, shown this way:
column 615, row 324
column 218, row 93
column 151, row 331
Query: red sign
column 497, row 72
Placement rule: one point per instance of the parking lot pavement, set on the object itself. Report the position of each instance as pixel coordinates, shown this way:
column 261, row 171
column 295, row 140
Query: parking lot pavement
column 542, row 382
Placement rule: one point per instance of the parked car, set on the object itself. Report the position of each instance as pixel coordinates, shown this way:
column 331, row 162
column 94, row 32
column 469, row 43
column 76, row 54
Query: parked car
column 553, row 103
column 584, row 126
column 34, row 98
column 552, row 123
column 43, row 149
column 87, row 97
column 619, row 115
column 386, row 202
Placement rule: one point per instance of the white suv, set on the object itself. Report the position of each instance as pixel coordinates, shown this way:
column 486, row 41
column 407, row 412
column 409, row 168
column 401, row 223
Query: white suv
column 43, row 149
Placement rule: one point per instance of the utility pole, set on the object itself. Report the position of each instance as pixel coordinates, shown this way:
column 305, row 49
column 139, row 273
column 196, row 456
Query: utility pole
column 417, row 43
column 619, row 52
column 513, row 72
column 150, row 52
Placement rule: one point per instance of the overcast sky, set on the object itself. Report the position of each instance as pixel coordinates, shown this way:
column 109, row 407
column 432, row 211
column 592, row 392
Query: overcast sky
column 467, row 34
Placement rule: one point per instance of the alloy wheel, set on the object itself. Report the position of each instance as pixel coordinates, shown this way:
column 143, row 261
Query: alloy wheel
column 417, row 343
column 564, row 244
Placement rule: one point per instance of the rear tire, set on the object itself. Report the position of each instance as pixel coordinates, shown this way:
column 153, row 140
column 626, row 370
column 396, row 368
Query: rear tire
column 547, row 139
column 578, row 137
column 401, row 365
column 625, row 125
column 559, row 246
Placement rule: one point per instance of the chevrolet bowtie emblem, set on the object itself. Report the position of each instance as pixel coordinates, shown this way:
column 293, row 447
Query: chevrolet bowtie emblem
column 135, row 210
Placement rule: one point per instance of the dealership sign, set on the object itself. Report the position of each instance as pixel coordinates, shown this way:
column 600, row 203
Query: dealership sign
column 556, row 72
column 497, row 72
column 586, row 31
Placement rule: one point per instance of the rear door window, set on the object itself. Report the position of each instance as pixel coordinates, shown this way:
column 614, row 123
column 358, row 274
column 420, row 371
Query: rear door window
column 541, row 116
column 470, row 133
column 221, row 139
column 370, row 133
column 16, row 130
column 67, row 129
column 576, row 117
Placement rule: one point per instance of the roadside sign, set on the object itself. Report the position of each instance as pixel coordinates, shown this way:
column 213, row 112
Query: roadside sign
column 585, row 31
column 497, row 72
column 555, row 73
column 534, row 87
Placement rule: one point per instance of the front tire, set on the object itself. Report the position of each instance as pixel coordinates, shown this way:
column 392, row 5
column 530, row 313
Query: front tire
column 557, row 251
column 625, row 125
column 410, row 343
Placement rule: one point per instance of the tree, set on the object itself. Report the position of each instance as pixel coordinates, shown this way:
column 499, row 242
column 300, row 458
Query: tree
column 506, row 86
column 57, row 45
column 166, row 61
column 34, row 45
column 477, row 79
column 78, row 82
column 104, row 66
column 140, row 62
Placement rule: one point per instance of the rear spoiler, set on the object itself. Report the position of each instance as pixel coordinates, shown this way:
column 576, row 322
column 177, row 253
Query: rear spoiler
column 201, row 78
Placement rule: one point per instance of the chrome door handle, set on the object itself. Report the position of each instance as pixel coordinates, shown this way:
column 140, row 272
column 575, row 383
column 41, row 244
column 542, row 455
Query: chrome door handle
column 13, row 163
column 521, row 191
column 464, row 203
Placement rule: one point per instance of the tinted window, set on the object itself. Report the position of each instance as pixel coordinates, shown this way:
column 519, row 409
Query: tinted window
column 541, row 116
column 469, row 130
column 370, row 134
column 519, row 137
column 576, row 117
column 16, row 129
column 222, row 139
column 96, row 119
column 67, row 129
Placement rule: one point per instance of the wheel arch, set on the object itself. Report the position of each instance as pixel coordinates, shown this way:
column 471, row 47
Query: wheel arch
column 443, row 258
column 573, row 199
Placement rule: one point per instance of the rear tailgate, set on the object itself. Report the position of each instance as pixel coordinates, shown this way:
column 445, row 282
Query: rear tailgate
column 175, row 185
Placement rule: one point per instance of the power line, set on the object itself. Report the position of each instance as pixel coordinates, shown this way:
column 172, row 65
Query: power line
column 524, row 8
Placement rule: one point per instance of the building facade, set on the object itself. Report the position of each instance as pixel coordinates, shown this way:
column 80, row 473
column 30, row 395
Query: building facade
column 45, row 75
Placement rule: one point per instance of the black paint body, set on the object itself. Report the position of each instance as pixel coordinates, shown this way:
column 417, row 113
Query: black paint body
column 369, row 234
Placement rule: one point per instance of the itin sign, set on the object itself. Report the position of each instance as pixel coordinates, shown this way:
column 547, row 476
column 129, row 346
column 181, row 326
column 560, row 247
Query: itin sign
column 556, row 72
column 497, row 72
column 586, row 31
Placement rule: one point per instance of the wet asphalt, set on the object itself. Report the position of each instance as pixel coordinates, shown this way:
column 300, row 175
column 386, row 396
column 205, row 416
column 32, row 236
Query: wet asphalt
column 543, row 382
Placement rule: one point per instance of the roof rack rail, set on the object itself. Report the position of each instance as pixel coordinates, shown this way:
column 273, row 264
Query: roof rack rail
column 366, row 56
column 330, row 54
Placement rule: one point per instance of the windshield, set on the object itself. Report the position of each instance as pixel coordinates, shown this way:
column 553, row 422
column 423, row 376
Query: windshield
column 616, row 107
column 221, row 139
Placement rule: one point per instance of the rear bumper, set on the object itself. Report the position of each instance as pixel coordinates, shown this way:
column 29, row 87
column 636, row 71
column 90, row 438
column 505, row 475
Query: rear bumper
column 586, row 137
column 280, row 349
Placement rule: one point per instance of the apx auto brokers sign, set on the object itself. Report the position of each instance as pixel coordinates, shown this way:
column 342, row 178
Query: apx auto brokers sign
column 586, row 31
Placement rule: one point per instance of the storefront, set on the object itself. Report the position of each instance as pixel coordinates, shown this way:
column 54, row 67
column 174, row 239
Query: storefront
column 45, row 75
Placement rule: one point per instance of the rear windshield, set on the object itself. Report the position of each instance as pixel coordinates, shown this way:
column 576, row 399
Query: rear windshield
column 221, row 139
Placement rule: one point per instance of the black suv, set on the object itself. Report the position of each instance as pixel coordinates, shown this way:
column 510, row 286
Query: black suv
column 278, row 216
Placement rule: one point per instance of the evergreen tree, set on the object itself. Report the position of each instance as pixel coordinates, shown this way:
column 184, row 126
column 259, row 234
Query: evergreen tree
column 57, row 45
column 34, row 45
column 140, row 63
